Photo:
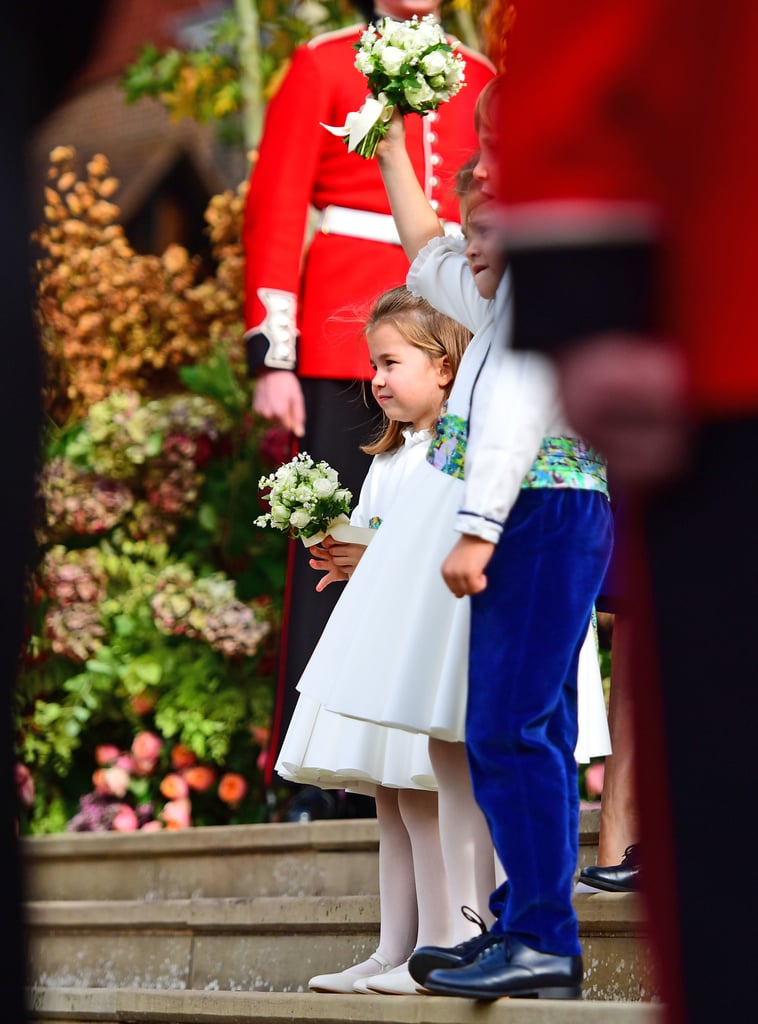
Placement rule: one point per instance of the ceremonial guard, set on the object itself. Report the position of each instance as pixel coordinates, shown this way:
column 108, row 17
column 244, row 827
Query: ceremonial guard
column 320, row 246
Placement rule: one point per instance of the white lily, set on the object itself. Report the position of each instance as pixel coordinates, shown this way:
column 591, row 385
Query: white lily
column 358, row 123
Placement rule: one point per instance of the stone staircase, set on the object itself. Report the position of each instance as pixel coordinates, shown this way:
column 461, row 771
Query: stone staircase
column 225, row 925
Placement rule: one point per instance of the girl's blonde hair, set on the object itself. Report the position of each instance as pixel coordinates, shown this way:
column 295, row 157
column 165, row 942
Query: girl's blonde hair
column 488, row 106
column 468, row 189
column 424, row 327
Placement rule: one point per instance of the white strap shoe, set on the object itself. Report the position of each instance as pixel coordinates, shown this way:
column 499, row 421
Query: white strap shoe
column 396, row 982
column 343, row 981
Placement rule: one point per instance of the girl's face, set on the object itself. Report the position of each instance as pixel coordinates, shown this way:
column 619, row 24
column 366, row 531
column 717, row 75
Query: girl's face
column 408, row 384
column 484, row 246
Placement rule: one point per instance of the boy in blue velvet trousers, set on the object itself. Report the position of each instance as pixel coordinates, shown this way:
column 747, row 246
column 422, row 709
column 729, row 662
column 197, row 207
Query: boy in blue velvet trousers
column 536, row 535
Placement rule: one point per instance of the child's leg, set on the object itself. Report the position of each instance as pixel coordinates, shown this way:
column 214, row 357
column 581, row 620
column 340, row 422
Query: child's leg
column 619, row 825
column 419, row 812
column 527, row 627
column 467, row 848
column 398, row 913
column 398, row 906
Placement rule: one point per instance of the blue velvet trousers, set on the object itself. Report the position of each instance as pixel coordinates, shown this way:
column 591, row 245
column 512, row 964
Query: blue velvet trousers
column 527, row 628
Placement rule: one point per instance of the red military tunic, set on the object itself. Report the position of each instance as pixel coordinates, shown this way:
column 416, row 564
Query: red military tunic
column 625, row 122
column 301, row 165
column 630, row 166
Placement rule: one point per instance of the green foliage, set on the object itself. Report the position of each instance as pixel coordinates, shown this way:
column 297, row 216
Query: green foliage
column 205, row 84
column 156, row 621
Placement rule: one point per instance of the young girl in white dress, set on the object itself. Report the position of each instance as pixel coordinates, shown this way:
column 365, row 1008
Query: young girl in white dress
column 415, row 352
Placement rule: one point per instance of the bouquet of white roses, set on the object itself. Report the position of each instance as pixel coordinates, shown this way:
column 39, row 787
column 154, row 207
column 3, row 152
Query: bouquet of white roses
column 409, row 65
column 305, row 498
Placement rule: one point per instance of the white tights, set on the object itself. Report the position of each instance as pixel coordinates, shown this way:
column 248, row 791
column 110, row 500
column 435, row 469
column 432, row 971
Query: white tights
column 435, row 856
column 471, row 865
column 413, row 903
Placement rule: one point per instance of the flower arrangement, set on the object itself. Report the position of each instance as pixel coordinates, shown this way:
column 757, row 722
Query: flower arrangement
column 409, row 65
column 305, row 498
column 152, row 607
column 147, row 789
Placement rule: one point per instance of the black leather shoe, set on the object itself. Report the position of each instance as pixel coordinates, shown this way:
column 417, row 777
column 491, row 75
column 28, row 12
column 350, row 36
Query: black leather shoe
column 623, row 877
column 427, row 958
column 509, row 968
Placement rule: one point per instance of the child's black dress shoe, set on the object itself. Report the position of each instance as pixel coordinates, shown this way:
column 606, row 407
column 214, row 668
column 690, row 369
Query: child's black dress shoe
column 509, row 968
column 623, row 877
column 428, row 958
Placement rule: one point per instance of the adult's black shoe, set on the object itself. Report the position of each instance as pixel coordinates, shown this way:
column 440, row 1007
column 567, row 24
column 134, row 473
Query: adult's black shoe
column 623, row 877
column 509, row 968
column 428, row 958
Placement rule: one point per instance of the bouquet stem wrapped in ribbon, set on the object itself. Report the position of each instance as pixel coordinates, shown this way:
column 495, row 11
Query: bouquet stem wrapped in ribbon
column 409, row 65
column 306, row 500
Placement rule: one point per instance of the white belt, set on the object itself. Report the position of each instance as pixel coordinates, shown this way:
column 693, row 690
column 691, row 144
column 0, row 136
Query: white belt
column 376, row 227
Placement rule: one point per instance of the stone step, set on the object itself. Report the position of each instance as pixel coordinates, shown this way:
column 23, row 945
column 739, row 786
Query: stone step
column 275, row 943
column 143, row 1006
column 225, row 925
column 319, row 858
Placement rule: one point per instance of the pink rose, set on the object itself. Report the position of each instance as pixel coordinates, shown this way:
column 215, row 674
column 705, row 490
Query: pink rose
column 593, row 778
column 125, row 761
column 24, row 784
column 146, row 749
column 125, row 820
column 106, row 753
column 176, row 813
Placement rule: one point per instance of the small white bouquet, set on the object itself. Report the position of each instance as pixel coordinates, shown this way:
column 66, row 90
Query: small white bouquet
column 409, row 65
column 306, row 499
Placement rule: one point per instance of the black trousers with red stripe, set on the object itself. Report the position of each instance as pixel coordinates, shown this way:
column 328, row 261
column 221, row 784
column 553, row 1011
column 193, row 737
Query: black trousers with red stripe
column 341, row 415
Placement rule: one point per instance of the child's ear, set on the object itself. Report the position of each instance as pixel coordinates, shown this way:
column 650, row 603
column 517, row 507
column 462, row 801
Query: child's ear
column 445, row 372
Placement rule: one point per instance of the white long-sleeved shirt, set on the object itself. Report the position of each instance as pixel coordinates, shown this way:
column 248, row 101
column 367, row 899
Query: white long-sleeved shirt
column 509, row 398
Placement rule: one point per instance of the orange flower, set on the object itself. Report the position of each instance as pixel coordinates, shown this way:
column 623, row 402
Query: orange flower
column 182, row 757
column 200, row 777
column 176, row 813
column 142, row 705
column 174, row 786
column 232, row 788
